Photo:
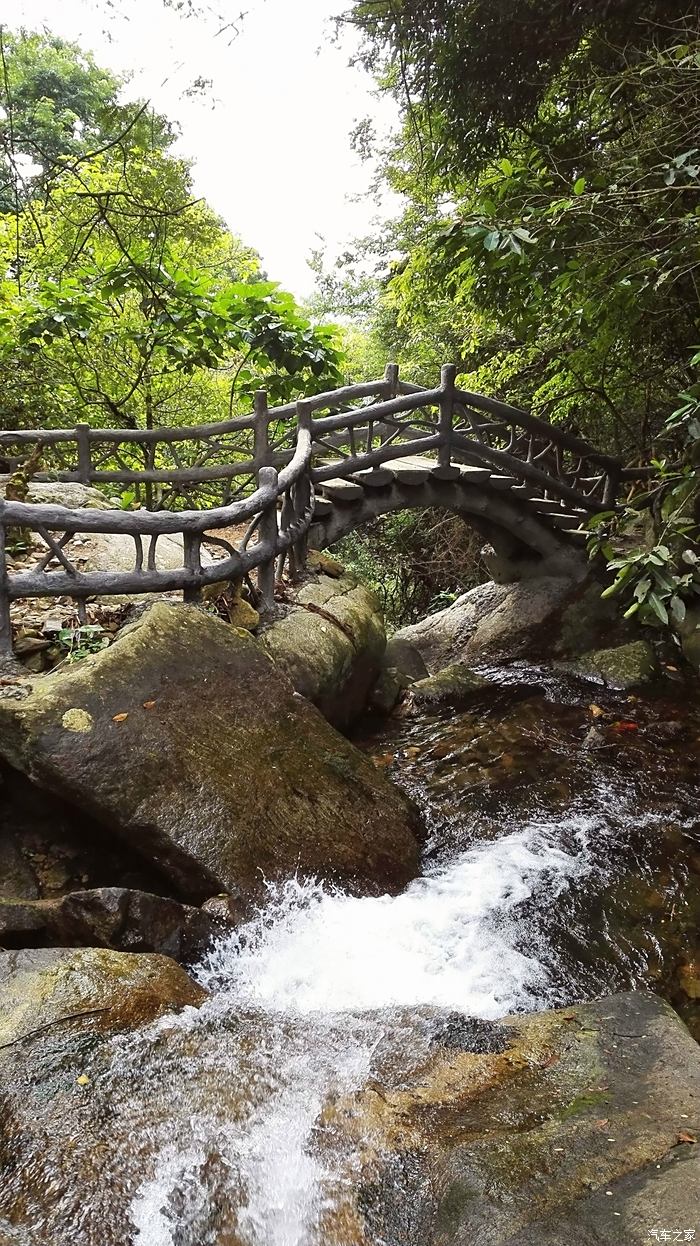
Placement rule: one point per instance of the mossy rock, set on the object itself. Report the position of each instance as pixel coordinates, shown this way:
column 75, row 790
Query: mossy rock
column 569, row 1131
column 330, row 645
column 453, row 685
column 105, row 990
column 186, row 742
column 623, row 667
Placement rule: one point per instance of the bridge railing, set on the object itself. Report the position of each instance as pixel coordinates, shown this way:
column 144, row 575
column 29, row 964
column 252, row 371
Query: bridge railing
column 269, row 464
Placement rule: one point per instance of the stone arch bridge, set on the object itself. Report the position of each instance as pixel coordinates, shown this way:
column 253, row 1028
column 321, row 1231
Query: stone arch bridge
column 300, row 476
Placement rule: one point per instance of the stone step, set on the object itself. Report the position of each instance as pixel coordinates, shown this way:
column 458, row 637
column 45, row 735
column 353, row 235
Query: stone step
column 376, row 478
column 322, row 508
column 502, row 482
column 342, row 490
column 411, row 475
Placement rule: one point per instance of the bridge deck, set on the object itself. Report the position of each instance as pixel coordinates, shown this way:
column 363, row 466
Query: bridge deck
column 415, row 470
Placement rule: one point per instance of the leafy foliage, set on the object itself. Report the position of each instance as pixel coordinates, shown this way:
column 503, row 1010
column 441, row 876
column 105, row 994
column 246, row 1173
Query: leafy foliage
column 126, row 301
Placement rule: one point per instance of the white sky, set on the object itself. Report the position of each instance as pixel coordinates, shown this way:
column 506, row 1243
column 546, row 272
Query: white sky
column 273, row 155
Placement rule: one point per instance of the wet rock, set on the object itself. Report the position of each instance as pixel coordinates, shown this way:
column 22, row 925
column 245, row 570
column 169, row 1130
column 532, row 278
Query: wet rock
column 451, row 686
column 388, row 690
column 113, row 917
column 104, row 990
column 623, row 667
column 404, row 657
column 184, row 741
column 570, row 1130
column 330, row 645
column 689, row 979
column 492, row 620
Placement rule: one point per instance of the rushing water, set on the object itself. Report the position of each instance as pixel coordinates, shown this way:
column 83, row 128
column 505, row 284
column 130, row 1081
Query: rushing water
column 556, row 868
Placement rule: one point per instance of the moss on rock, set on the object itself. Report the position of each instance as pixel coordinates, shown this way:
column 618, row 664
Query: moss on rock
column 330, row 645
column 203, row 760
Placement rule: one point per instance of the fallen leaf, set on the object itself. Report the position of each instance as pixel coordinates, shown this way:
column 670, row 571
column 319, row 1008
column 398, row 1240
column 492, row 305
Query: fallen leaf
column 596, row 711
column 119, row 718
column 83, row 1080
column 385, row 759
column 149, row 705
column 686, row 1137
column 625, row 726
column 603, row 1123
column 671, row 668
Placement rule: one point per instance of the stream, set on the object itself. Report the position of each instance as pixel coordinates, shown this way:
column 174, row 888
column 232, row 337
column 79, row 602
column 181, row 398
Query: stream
column 562, row 836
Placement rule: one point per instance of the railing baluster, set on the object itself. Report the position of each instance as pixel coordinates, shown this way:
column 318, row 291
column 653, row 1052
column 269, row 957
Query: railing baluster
column 448, row 377
column 5, row 622
column 267, row 535
column 82, row 436
column 192, row 542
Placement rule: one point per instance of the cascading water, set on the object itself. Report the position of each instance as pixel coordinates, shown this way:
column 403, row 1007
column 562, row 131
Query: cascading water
column 317, row 976
column 234, row 1124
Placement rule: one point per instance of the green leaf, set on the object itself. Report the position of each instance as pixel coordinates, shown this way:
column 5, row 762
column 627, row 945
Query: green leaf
column 580, row 186
column 492, row 240
column 658, row 607
column 678, row 609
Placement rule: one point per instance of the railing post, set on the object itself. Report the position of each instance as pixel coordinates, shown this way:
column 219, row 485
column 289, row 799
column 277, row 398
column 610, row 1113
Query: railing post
column 261, row 439
column 5, row 622
column 192, row 542
column 267, row 534
column 302, row 489
column 448, row 376
column 391, row 379
column 82, row 436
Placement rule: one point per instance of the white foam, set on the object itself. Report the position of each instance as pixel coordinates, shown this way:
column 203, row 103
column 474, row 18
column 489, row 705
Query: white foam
column 312, row 969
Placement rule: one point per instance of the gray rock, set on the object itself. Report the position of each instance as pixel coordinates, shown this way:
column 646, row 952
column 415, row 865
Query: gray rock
column 452, row 685
column 623, row 667
column 185, row 742
column 403, row 656
column 490, row 621
column 330, row 645
column 68, row 493
column 113, row 917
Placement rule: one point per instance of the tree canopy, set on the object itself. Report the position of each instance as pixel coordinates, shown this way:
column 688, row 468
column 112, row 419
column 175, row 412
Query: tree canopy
column 125, row 301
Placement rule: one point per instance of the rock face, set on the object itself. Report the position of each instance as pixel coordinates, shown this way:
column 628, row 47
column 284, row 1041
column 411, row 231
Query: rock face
column 186, row 742
column 113, row 917
column 491, row 621
column 330, row 645
column 571, row 1126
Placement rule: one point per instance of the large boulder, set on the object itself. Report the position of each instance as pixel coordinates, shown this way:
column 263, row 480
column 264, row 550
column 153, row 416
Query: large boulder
column 490, row 621
column 569, row 1126
column 330, row 645
column 57, row 493
column 185, row 741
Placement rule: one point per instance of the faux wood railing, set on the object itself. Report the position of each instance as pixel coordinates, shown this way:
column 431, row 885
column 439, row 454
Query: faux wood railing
column 273, row 460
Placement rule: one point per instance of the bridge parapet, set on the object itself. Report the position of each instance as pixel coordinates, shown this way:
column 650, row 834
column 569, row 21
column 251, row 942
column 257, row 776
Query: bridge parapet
column 270, row 467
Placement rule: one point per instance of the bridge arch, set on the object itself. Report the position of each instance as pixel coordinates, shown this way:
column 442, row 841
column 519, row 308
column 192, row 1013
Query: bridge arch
column 524, row 543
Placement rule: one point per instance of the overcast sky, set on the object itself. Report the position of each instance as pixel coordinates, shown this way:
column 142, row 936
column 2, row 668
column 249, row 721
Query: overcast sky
column 273, row 154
